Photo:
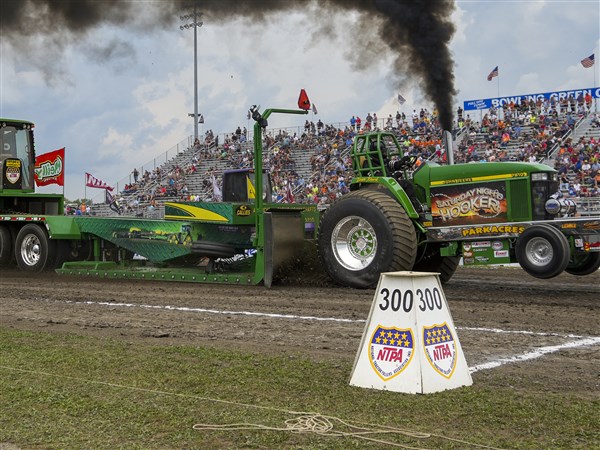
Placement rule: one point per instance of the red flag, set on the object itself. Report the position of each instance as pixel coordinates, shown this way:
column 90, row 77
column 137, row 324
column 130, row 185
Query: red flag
column 50, row 168
column 91, row 181
column 303, row 101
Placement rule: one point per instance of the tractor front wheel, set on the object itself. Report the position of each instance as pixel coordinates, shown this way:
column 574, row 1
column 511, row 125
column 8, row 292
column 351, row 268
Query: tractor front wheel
column 364, row 234
column 542, row 251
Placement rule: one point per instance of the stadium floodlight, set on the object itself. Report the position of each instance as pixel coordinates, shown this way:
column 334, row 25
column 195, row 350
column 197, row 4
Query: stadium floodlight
column 195, row 24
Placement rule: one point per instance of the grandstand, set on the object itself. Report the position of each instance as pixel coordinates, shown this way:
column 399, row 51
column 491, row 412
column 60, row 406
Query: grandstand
column 314, row 160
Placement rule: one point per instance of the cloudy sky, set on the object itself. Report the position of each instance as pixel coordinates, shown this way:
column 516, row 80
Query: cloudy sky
column 118, row 95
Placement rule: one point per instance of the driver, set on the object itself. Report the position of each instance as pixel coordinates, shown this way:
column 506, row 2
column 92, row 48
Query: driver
column 375, row 162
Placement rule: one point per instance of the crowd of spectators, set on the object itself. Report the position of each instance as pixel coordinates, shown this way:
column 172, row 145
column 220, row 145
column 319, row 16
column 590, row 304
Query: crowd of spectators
column 522, row 132
column 578, row 165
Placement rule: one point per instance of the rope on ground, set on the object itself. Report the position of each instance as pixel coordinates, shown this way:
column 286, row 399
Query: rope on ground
column 325, row 426
column 306, row 422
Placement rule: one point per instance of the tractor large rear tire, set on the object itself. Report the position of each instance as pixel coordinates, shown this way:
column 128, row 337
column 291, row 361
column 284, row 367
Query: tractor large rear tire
column 364, row 234
column 432, row 261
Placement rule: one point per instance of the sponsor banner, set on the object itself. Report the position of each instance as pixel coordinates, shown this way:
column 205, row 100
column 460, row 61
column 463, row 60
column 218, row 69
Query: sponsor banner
column 497, row 102
column 468, row 204
column 486, row 252
column 50, row 168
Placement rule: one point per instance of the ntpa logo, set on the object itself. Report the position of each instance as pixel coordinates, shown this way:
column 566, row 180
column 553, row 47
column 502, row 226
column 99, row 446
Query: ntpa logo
column 390, row 351
column 440, row 349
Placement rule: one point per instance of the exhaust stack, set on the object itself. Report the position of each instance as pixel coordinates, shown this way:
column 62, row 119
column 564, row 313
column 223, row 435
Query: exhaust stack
column 448, row 147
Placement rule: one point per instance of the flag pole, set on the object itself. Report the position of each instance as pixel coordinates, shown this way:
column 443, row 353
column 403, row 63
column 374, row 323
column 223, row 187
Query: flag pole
column 498, row 84
column 595, row 99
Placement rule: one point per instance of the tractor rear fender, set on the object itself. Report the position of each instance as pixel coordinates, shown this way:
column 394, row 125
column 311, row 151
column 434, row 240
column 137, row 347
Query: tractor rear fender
column 392, row 186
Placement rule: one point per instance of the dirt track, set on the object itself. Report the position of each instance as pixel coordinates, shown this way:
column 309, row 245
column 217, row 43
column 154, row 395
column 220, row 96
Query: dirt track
column 217, row 316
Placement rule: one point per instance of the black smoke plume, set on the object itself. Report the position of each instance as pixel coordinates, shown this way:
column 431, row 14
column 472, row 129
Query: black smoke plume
column 416, row 33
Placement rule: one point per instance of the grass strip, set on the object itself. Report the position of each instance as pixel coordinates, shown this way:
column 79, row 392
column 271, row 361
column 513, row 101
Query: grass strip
column 72, row 391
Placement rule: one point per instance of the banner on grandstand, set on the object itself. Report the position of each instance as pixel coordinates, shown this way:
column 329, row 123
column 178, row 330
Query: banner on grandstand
column 91, row 181
column 498, row 102
column 50, row 168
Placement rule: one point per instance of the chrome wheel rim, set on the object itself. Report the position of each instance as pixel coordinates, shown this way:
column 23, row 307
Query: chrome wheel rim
column 354, row 243
column 539, row 251
column 31, row 250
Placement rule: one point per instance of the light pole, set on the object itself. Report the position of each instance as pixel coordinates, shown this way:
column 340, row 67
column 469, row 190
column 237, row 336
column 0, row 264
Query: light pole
column 198, row 116
column 195, row 24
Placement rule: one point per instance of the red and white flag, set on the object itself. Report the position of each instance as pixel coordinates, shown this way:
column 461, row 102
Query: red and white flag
column 91, row 181
column 50, row 168
column 493, row 73
column 588, row 62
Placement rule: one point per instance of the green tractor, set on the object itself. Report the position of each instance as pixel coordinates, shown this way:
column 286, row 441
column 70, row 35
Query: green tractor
column 403, row 217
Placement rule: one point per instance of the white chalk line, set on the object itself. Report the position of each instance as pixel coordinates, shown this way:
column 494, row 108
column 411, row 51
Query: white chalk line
column 580, row 341
column 216, row 311
column 534, row 354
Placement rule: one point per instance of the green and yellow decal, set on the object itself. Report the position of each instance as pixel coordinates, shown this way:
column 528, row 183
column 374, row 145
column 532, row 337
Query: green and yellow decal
column 175, row 211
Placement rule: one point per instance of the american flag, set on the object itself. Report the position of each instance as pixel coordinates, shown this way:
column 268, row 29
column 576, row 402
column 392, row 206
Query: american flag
column 493, row 73
column 588, row 62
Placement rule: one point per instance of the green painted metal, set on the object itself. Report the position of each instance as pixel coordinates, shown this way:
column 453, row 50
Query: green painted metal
column 157, row 240
column 474, row 172
column 110, row 270
column 63, row 227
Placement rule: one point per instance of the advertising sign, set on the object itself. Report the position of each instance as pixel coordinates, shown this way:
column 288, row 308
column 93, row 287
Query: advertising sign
column 50, row 168
column 468, row 204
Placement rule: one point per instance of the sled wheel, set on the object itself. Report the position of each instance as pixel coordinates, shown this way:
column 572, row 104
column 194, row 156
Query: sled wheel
column 5, row 245
column 542, row 251
column 363, row 234
column 583, row 263
column 34, row 251
column 432, row 261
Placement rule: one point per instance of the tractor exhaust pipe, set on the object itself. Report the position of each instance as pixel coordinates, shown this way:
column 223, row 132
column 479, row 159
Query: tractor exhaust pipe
column 447, row 141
